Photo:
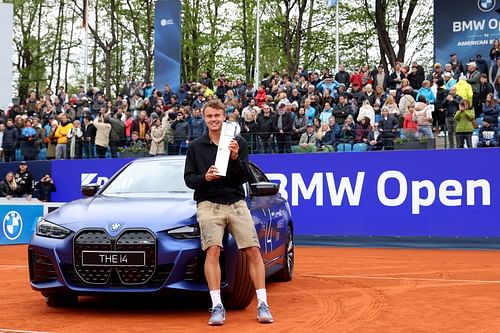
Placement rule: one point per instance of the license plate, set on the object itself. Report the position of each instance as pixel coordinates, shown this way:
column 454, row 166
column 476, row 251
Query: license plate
column 113, row 258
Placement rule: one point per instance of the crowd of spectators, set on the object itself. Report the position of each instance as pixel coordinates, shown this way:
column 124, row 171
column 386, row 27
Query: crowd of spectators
column 307, row 111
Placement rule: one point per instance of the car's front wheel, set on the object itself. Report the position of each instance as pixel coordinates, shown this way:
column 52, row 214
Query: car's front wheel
column 286, row 273
column 243, row 290
column 60, row 300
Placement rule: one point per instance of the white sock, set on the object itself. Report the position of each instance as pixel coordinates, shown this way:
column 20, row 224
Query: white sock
column 261, row 296
column 215, row 296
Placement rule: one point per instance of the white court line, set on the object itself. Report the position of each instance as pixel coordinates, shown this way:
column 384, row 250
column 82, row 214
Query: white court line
column 2, row 330
column 361, row 277
column 13, row 267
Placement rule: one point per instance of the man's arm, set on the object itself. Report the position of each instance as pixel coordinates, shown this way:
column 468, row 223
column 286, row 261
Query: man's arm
column 237, row 168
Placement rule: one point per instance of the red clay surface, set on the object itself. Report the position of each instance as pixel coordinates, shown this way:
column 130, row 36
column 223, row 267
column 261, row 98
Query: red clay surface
column 334, row 290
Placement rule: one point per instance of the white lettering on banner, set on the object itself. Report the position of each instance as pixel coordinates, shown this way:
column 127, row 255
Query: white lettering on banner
column 445, row 194
column 353, row 197
column 471, row 191
column 88, row 178
column 316, row 185
column 450, row 192
column 462, row 26
column 416, row 200
column 403, row 188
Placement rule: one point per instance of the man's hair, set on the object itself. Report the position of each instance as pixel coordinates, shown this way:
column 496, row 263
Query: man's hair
column 214, row 104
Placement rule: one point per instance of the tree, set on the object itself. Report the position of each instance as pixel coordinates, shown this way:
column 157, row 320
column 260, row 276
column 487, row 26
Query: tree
column 404, row 13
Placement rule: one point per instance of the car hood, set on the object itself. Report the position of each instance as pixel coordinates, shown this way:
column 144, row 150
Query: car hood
column 156, row 214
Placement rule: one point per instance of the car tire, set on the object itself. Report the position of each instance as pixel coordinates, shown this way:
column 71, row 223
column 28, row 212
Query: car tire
column 243, row 289
column 286, row 273
column 60, row 300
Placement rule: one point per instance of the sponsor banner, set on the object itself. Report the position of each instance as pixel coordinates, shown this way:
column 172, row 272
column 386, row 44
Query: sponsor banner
column 439, row 193
column 70, row 175
column 467, row 28
column 19, row 219
column 168, row 44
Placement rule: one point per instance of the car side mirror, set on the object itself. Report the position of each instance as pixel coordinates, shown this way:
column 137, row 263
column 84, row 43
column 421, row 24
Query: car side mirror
column 90, row 189
column 264, row 189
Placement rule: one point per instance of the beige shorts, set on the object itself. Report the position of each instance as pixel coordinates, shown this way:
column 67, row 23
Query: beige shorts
column 213, row 219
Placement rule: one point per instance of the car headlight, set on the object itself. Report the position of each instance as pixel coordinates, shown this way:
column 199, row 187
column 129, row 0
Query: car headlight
column 185, row 232
column 48, row 229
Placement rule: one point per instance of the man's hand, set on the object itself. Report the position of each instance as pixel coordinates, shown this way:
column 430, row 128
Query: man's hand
column 211, row 174
column 234, row 148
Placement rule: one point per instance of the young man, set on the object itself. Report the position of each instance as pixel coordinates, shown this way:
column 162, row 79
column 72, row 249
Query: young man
column 220, row 201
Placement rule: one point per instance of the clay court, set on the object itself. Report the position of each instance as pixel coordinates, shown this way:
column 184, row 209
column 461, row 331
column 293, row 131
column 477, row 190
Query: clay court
column 334, row 290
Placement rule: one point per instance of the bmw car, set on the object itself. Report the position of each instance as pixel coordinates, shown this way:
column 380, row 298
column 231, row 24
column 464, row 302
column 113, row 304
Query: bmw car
column 138, row 233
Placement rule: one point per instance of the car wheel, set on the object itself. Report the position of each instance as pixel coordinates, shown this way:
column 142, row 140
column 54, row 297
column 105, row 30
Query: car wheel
column 286, row 273
column 61, row 300
column 243, row 290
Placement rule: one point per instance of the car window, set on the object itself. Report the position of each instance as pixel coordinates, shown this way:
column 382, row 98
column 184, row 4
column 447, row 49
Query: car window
column 155, row 176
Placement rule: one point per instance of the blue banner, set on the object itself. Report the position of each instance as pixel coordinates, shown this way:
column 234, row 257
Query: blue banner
column 168, row 44
column 19, row 219
column 467, row 28
column 439, row 193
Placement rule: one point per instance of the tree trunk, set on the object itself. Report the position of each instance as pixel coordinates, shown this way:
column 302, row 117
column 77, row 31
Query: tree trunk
column 70, row 46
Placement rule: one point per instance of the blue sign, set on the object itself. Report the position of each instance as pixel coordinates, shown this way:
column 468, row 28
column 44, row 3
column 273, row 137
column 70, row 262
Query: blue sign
column 70, row 175
column 18, row 220
column 467, row 28
column 168, row 44
column 440, row 193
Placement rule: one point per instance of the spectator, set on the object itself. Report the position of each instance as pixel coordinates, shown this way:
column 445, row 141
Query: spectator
column 326, row 113
column 423, row 117
column 27, row 140
column 488, row 136
column 98, row 104
column 51, row 141
column 249, row 129
column 265, row 121
column 129, row 86
column 490, row 109
column 167, row 121
column 24, row 181
column 75, row 141
column 135, row 142
column 368, row 94
column 381, row 78
column 363, row 130
column 366, row 110
column 375, row 139
column 343, row 110
column 282, row 126
column 388, row 129
column 348, row 131
column 464, row 89
column 405, row 101
column 61, row 135
column 356, row 77
column 392, row 107
column 141, row 125
column 45, row 188
column 181, row 134
column 88, row 138
column 10, row 141
column 148, row 89
column 342, row 76
column 117, row 136
column 409, row 125
column 103, row 128
column 464, row 117
column 307, row 142
column 396, row 77
column 8, row 186
column 473, row 75
column 456, row 65
column 157, row 138
column 328, row 138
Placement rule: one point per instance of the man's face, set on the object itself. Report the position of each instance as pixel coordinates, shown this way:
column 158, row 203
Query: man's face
column 214, row 118
column 2, row 127
column 196, row 113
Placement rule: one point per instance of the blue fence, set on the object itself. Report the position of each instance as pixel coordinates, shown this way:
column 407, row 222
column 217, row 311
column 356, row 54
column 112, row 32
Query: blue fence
column 430, row 193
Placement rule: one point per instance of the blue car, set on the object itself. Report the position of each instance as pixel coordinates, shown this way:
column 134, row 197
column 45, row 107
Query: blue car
column 139, row 234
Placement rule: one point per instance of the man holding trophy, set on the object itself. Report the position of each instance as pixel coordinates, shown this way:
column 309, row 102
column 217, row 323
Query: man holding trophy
column 216, row 168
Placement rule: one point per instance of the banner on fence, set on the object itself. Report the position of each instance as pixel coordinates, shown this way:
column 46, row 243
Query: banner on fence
column 467, row 28
column 19, row 218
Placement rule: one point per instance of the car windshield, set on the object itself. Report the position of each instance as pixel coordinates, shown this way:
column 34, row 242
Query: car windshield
column 149, row 177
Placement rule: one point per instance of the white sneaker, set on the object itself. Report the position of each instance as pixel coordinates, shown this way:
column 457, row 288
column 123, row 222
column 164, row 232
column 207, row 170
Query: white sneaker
column 441, row 134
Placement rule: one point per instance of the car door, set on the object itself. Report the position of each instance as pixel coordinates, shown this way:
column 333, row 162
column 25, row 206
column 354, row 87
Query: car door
column 266, row 213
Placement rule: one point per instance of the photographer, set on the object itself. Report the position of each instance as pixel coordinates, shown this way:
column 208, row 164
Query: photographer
column 181, row 134
column 45, row 188
column 103, row 128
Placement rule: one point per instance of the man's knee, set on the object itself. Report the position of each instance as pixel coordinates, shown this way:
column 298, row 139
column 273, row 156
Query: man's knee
column 253, row 253
column 213, row 253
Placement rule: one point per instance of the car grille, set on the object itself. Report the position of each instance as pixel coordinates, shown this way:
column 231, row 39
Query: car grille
column 129, row 240
column 41, row 268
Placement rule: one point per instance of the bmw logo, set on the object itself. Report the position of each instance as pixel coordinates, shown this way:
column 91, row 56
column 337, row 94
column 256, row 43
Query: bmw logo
column 486, row 5
column 115, row 226
column 12, row 225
